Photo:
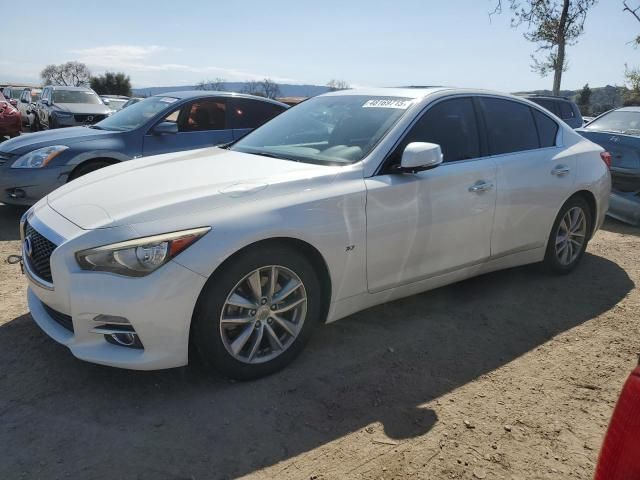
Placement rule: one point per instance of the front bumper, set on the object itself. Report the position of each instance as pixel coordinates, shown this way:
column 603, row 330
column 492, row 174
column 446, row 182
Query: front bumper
column 159, row 306
column 25, row 186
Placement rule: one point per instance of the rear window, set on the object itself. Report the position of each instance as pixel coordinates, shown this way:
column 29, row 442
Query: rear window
column 547, row 129
column 627, row 122
column 248, row 113
column 510, row 126
column 566, row 111
column 546, row 103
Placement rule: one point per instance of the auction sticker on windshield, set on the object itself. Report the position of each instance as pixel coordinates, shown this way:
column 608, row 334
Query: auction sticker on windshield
column 168, row 99
column 387, row 103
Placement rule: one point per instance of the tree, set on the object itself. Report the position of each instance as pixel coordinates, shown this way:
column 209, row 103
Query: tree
column 217, row 84
column 73, row 74
column 335, row 84
column 252, row 87
column 633, row 11
column 584, row 100
column 553, row 25
column 270, row 89
column 632, row 96
column 112, row 83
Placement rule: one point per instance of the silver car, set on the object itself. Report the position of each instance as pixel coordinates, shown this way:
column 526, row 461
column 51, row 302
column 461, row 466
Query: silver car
column 68, row 107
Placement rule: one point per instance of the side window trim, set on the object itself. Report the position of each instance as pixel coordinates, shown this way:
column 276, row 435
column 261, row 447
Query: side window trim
column 558, row 138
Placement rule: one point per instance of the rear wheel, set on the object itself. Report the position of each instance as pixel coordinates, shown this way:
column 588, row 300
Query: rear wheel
column 569, row 236
column 88, row 167
column 256, row 314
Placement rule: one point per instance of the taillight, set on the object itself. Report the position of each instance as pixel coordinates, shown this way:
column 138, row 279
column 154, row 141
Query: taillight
column 606, row 158
column 620, row 454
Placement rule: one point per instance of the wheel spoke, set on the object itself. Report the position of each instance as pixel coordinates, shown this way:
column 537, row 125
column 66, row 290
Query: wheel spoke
column 238, row 300
column 273, row 280
column 290, row 306
column 256, row 344
column 577, row 234
column 291, row 286
column 273, row 338
column 256, row 286
column 563, row 224
column 241, row 340
column 290, row 328
column 560, row 239
column 564, row 245
column 235, row 321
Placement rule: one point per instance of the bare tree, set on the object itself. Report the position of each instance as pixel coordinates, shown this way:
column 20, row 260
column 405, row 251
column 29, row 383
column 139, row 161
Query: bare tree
column 74, row 74
column 217, row 84
column 633, row 11
column 553, row 25
column 270, row 89
column 335, row 84
column 252, row 87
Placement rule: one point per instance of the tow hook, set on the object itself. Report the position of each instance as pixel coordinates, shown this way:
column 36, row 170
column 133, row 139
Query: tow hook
column 13, row 259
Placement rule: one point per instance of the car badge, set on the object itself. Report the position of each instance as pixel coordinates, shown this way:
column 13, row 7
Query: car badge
column 28, row 246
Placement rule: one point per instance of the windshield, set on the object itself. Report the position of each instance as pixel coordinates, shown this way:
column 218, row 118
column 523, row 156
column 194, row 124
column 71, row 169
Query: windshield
column 75, row 96
column 136, row 115
column 328, row 130
column 617, row 121
column 35, row 96
column 116, row 103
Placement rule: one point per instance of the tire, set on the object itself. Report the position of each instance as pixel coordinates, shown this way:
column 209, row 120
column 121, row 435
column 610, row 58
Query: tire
column 35, row 126
column 563, row 252
column 88, row 167
column 52, row 122
column 213, row 341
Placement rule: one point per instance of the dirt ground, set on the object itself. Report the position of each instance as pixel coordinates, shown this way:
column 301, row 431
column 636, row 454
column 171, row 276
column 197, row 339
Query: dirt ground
column 511, row 375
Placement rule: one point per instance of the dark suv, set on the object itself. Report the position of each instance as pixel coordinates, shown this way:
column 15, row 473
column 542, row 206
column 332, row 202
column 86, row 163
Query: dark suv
column 561, row 107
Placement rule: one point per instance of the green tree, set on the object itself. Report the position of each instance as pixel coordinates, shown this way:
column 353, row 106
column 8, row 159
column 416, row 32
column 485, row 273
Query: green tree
column 112, row 83
column 552, row 25
column 584, row 100
column 72, row 74
column 632, row 76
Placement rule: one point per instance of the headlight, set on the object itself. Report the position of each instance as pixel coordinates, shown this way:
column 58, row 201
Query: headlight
column 139, row 257
column 39, row 158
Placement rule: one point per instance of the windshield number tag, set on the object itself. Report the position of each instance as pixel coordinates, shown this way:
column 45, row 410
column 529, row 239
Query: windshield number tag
column 386, row 103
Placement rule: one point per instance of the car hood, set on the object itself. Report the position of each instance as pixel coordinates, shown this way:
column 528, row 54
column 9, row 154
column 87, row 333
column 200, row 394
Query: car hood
column 171, row 185
column 58, row 136
column 85, row 108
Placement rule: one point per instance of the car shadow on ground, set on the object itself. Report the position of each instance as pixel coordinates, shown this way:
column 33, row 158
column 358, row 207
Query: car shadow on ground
column 9, row 222
column 61, row 416
column 616, row 226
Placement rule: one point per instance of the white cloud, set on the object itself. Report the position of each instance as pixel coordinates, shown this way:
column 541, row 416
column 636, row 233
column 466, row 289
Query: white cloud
column 139, row 58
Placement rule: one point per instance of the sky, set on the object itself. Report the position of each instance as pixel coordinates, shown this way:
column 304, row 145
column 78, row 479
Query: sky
column 367, row 43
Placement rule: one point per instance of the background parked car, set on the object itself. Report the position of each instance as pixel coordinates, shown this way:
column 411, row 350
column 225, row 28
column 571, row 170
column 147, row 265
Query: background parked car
column 561, row 107
column 68, row 107
column 10, row 123
column 132, row 101
column 33, row 165
column 12, row 94
column 618, row 131
column 114, row 102
column 26, row 105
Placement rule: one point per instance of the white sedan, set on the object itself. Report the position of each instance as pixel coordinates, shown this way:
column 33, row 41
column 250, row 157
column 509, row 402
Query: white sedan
column 348, row 200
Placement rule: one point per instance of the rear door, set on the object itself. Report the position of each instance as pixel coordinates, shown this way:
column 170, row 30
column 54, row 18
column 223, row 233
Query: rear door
column 535, row 174
column 201, row 123
column 247, row 114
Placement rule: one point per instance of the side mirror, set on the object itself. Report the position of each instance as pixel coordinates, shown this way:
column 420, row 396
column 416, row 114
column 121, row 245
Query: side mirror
column 45, row 101
column 420, row 156
column 164, row 128
column 13, row 102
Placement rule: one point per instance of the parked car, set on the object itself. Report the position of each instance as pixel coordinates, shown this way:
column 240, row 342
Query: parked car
column 12, row 94
column 36, row 164
column 26, row 105
column 10, row 124
column 561, row 107
column 114, row 102
column 132, row 101
column 69, row 106
column 618, row 131
column 240, row 252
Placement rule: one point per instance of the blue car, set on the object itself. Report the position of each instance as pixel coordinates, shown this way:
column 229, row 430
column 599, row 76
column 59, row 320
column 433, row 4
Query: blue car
column 618, row 132
column 33, row 165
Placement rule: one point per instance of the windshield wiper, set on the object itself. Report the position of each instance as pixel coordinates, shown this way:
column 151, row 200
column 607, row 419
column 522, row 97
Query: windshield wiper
column 273, row 155
column 96, row 127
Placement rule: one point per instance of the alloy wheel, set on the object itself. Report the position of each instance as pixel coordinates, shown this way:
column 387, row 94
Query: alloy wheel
column 571, row 235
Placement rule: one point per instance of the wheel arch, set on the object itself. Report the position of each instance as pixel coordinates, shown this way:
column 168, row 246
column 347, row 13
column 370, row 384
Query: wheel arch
column 87, row 161
column 590, row 198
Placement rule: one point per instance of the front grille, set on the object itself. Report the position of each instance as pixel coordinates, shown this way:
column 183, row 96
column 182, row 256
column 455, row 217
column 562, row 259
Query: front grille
column 41, row 250
column 4, row 157
column 84, row 118
column 60, row 318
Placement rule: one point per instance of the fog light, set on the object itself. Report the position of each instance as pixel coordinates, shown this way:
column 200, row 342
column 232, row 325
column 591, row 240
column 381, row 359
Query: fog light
column 16, row 193
column 125, row 339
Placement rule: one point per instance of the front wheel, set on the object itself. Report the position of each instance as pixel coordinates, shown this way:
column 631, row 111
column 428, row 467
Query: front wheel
column 569, row 236
column 257, row 313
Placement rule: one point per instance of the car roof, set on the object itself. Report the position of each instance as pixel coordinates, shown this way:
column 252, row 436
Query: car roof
column 67, row 87
column 546, row 97
column 186, row 94
column 407, row 92
column 628, row 109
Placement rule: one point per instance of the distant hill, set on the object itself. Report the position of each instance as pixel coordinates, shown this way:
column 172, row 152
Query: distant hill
column 286, row 90
column 602, row 98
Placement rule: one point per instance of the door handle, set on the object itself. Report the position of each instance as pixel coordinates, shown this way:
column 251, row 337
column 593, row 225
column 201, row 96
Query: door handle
column 560, row 170
column 480, row 186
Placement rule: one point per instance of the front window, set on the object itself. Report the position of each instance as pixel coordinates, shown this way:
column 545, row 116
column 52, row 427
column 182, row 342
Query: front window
column 136, row 115
column 327, row 130
column 116, row 103
column 75, row 96
column 626, row 122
